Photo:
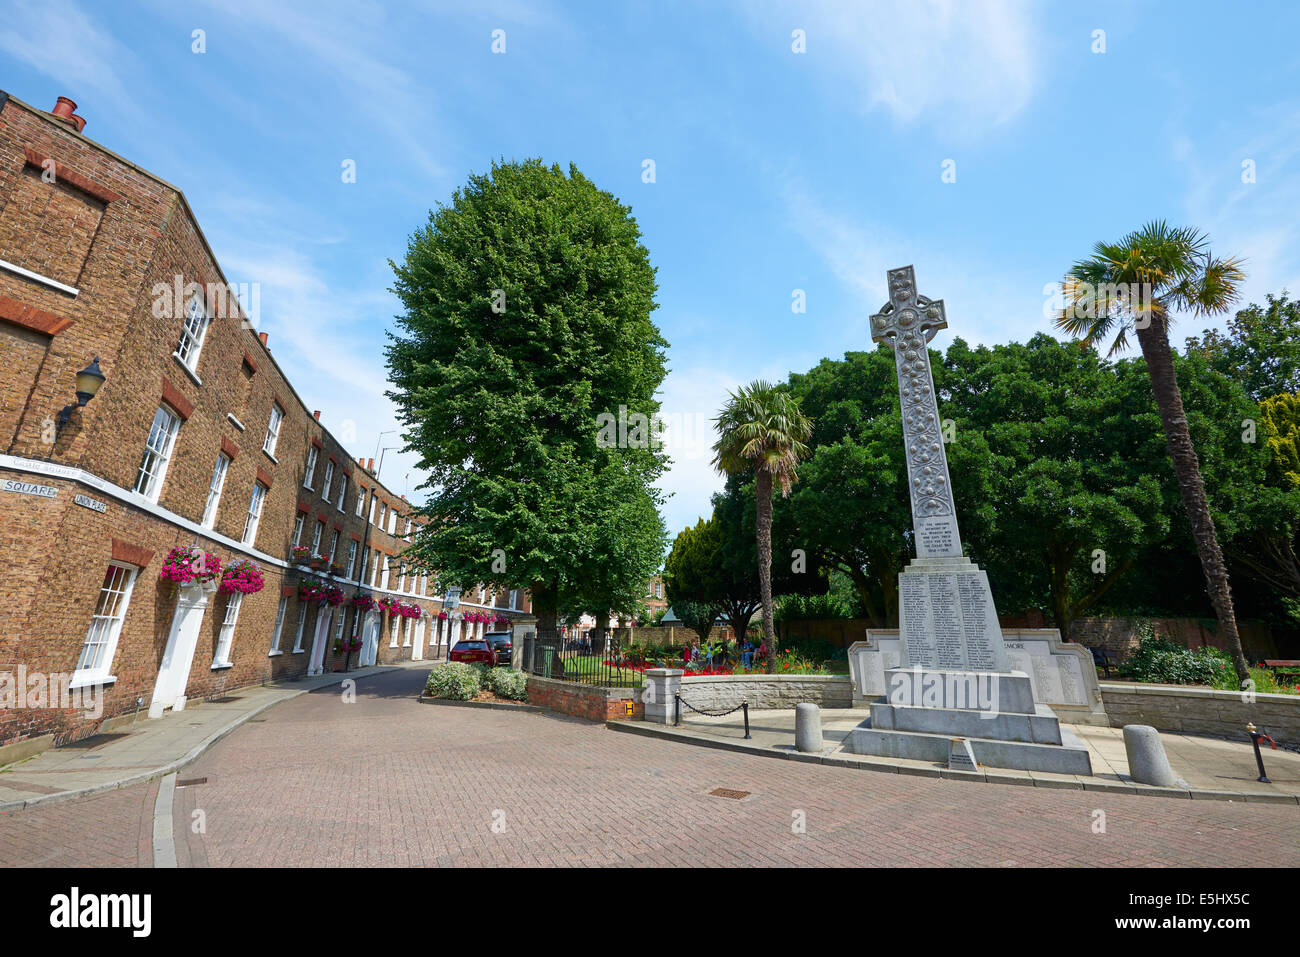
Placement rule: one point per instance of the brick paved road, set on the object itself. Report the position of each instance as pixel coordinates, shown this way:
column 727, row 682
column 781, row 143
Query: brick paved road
column 388, row 781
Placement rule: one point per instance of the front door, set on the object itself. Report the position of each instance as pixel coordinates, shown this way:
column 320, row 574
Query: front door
column 183, row 637
column 417, row 649
column 369, row 641
column 321, row 638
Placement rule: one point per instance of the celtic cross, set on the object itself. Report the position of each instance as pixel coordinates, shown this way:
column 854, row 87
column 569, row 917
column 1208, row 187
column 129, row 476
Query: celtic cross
column 907, row 323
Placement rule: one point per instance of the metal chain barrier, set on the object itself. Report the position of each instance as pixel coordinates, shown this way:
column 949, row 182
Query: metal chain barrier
column 677, row 713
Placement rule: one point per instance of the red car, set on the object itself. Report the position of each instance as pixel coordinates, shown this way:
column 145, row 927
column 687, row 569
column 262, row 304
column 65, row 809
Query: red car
column 471, row 652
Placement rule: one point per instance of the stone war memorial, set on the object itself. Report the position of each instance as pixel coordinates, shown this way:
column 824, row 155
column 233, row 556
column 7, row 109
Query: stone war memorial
column 950, row 692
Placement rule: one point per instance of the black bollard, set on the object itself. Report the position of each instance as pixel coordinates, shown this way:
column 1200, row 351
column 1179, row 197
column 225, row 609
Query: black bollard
column 1259, row 758
column 677, row 711
column 745, row 706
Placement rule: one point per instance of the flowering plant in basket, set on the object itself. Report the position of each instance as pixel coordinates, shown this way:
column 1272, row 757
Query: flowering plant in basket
column 363, row 601
column 190, row 565
column 311, row 589
column 243, row 575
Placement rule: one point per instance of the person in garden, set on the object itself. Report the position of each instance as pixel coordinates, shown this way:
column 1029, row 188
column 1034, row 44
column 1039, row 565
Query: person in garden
column 686, row 653
column 747, row 657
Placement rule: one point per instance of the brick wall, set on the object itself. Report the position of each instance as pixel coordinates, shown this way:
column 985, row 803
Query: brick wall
column 584, row 701
column 116, row 236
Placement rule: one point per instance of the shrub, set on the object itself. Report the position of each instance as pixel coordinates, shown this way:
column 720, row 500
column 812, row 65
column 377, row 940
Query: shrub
column 1159, row 659
column 816, row 649
column 505, row 683
column 454, row 680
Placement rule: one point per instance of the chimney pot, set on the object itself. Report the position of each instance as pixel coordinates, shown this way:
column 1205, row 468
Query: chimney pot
column 370, row 465
column 316, row 415
column 262, row 336
column 64, row 108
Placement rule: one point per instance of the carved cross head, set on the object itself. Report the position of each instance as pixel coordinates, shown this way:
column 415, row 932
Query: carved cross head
column 907, row 314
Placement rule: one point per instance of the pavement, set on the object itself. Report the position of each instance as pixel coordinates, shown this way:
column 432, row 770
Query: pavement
column 147, row 748
column 1210, row 768
column 386, row 781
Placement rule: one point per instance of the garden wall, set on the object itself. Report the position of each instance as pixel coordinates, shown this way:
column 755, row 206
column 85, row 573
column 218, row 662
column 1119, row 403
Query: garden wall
column 1203, row 711
column 584, row 701
column 719, row 692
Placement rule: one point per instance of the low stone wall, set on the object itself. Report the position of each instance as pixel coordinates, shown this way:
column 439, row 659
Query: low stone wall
column 719, row 692
column 584, row 701
column 1203, row 711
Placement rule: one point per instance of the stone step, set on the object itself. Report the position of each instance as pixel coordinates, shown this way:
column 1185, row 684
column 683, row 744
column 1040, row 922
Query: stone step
column 1042, row 727
column 1070, row 757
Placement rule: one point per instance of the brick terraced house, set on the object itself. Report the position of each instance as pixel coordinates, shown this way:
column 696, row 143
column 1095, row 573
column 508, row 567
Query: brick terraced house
column 194, row 438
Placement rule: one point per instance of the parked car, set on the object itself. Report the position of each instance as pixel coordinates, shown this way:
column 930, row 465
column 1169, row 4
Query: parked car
column 471, row 651
column 501, row 645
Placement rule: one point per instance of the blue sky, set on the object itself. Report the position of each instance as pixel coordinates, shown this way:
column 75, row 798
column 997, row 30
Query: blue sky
column 774, row 170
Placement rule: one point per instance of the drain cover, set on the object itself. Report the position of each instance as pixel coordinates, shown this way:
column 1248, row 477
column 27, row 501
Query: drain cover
column 728, row 793
column 190, row 782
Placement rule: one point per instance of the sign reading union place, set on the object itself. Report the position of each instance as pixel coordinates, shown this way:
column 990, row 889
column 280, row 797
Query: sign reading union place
column 30, row 488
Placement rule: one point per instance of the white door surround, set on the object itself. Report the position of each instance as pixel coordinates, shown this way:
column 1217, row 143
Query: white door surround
column 369, row 640
column 319, row 640
column 182, row 638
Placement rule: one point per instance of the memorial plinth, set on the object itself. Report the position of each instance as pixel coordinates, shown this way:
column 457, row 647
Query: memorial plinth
column 954, row 677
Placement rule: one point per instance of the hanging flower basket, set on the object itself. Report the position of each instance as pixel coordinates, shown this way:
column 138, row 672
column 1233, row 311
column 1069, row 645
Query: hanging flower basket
column 311, row 589
column 334, row 596
column 300, row 554
column 501, row 620
column 190, row 565
column 346, row 645
column 442, row 616
column 244, row 576
column 363, row 601
column 411, row 611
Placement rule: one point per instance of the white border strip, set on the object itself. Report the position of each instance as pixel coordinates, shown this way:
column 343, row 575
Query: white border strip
column 37, row 277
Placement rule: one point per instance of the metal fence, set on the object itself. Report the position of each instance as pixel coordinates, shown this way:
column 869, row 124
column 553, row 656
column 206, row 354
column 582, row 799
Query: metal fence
column 606, row 664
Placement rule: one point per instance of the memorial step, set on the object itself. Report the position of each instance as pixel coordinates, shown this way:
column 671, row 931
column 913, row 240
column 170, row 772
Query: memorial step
column 1041, row 728
column 1069, row 757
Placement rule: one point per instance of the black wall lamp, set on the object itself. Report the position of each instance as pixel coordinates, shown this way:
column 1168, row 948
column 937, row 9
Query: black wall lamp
column 89, row 380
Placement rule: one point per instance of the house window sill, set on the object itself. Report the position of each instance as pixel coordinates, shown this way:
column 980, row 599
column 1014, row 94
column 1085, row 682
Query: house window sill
column 188, row 371
column 91, row 681
column 270, row 456
column 274, row 652
column 222, row 665
column 37, row 277
column 239, row 425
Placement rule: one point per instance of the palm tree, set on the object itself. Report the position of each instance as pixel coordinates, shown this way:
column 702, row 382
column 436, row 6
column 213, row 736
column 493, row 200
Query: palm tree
column 761, row 428
column 1134, row 285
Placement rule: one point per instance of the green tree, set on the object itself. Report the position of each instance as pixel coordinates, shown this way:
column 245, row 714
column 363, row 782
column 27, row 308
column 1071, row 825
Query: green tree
column 1135, row 285
column 762, row 430
column 697, row 616
column 1261, row 348
column 527, row 304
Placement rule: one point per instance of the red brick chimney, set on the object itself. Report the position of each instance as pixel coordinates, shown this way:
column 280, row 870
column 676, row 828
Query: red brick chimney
column 263, row 337
column 316, row 415
column 370, row 465
column 66, row 110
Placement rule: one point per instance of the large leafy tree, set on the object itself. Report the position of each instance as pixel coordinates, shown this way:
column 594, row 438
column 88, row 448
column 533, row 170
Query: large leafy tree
column 527, row 304
column 762, row 430
column 1135, row 285
column 1261, row 348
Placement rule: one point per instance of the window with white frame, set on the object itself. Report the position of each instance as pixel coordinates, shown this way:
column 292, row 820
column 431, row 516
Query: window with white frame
column 192, row 335
column 273, row 430
column 365, row 561
column 374, row 503
column 401, row 579
column 514, row 599
column 352, row 558
column 233, row 602
column 338, row 628
column 343, row 489
column 334, row 545
column 302, row 621
column 254, row 513
column 424, row 584
column 309, row 475
column 392, row 522
column 328, row 483
column 105, row 624
column 157, row 453
column 361, row 501
column 214, row 490
column 279, row 625
column 392, row 634
column 298, row 524
column 384, row 577
column 407, row 534
column 316, row 537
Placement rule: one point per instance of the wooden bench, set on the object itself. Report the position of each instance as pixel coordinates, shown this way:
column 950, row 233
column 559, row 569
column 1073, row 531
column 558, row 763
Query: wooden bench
column 1103, row 660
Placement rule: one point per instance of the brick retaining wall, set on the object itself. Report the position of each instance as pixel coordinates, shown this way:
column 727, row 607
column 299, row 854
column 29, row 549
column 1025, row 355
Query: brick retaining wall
column 584, row 701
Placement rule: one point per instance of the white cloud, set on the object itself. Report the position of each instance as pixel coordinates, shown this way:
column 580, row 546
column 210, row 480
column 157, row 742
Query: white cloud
column 961, row 66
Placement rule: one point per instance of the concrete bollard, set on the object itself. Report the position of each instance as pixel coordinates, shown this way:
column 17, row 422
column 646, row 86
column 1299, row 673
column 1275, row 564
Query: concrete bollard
column 1147, row 761
column 807, row 728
